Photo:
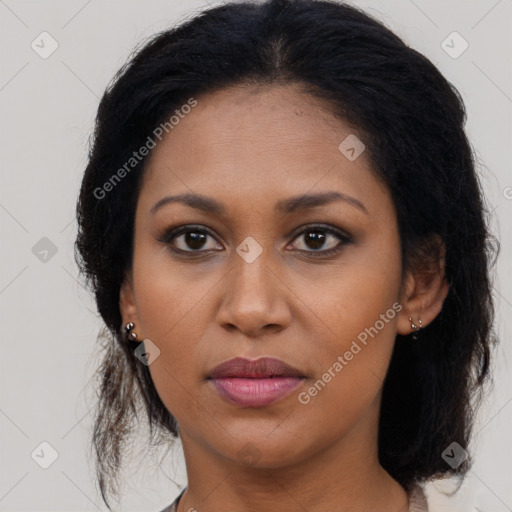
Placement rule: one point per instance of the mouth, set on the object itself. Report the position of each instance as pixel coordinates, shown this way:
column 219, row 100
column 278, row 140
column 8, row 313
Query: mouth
column 256, row 383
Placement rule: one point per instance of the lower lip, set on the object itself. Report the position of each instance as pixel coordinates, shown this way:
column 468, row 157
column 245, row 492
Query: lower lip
column 247, row 392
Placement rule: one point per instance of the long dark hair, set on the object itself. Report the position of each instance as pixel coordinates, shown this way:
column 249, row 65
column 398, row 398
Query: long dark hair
column 413, row 122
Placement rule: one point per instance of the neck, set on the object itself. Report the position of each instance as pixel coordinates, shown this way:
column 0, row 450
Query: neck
column 344, row 475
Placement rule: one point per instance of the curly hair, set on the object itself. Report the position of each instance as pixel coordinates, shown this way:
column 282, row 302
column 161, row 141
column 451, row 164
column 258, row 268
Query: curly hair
column 413, row 122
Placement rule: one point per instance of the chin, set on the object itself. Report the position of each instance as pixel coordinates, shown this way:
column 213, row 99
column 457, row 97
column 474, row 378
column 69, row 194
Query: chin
column 265, row 452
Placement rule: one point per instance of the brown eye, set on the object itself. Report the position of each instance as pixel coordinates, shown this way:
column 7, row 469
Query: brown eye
column 322, row 240
column 190, row 239
column 194, row 239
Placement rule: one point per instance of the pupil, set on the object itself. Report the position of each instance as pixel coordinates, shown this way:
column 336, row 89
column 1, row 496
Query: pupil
column 195, row 240
column 316, row 238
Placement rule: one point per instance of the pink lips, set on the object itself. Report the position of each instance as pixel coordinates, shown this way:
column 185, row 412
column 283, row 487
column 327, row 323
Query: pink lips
column 255, row 383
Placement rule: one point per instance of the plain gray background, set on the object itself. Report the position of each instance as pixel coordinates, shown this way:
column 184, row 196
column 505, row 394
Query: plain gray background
column 49, row 322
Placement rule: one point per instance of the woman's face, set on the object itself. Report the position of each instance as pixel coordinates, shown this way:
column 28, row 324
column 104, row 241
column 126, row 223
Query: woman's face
column 261, row 275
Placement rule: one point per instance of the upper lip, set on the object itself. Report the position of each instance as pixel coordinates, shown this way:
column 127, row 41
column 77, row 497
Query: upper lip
column 257, row 368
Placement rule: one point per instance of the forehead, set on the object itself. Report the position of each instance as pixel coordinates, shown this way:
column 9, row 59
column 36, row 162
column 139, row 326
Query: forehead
column 256, row 144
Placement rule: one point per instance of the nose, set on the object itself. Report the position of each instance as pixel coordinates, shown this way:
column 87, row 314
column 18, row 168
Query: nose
column 255, row 299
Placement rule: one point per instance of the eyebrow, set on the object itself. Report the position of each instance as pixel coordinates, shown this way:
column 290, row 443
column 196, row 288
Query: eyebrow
column 285, row 206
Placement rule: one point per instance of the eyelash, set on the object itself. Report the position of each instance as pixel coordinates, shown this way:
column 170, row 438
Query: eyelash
column 172, row 233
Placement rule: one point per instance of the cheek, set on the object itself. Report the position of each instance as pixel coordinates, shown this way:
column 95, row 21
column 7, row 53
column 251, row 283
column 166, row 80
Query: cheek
column 168, row 294
column 171, row 311
column 357, row 311
column 354, row 296
column 350, row 373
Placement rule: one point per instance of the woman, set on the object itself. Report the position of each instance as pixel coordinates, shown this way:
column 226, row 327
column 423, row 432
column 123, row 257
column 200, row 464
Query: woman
column 284, row 231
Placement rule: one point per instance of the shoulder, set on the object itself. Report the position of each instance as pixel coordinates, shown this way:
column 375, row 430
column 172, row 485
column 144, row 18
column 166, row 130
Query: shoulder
column 174, row 505
column 417, row 499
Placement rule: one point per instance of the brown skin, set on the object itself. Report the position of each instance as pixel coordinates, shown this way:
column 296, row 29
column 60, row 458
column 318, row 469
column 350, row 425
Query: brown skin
column 249, row 148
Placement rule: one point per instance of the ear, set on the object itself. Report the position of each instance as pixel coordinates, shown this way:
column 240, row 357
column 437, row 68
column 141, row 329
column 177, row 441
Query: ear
column 425, row 287
column 127, row 305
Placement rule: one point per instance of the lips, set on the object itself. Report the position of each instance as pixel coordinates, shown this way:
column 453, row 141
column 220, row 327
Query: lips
column 256, row 383
column 258, row 368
